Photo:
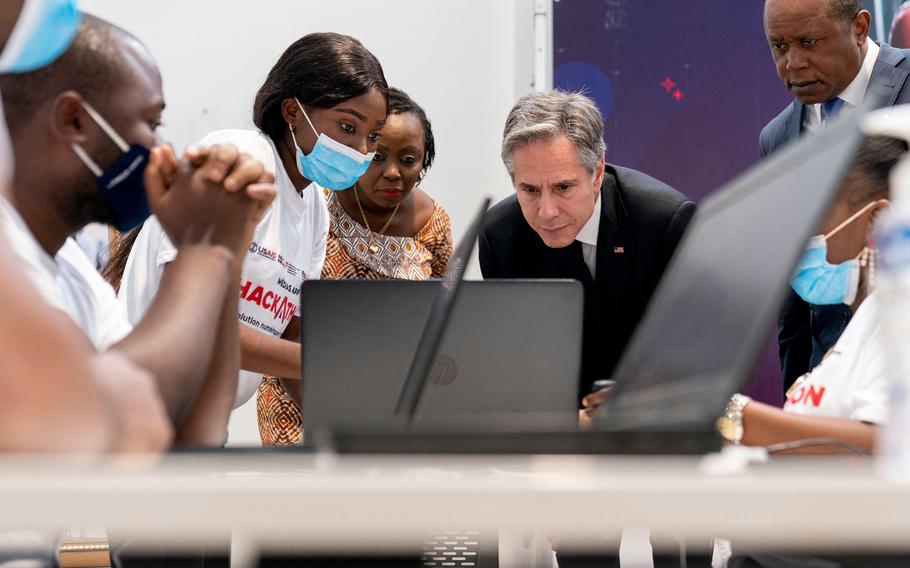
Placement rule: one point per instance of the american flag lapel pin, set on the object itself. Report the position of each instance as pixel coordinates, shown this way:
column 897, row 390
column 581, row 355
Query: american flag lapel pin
column 619, row 250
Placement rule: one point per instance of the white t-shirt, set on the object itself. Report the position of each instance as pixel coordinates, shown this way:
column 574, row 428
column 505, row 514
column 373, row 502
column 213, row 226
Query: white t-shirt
column 288, row 248
column 851, row 381
column 68, row 281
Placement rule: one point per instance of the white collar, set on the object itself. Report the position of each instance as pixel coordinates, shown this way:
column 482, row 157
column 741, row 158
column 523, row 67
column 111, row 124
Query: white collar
column 588, row 233
column 856, row 90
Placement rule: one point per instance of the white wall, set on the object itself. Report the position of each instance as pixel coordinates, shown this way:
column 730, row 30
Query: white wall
column 464, row 61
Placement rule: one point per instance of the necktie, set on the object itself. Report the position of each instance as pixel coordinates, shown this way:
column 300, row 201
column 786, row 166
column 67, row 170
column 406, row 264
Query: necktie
column 831, row 109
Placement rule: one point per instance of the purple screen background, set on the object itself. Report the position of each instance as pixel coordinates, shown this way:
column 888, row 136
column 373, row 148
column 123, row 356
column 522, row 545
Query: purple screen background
column 684, row 87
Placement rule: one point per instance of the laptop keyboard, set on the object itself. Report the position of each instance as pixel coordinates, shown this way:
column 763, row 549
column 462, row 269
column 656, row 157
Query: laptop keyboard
column 451, row 549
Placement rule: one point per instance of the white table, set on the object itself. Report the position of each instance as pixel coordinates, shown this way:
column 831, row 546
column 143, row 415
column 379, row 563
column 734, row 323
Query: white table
column 300, row 502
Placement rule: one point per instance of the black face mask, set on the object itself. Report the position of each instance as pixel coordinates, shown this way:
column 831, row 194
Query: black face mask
column 122, row 183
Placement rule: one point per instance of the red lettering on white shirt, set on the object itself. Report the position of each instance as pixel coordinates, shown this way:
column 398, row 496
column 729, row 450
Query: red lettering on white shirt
column 808, row 394
column 277, row 304
column 256, row 296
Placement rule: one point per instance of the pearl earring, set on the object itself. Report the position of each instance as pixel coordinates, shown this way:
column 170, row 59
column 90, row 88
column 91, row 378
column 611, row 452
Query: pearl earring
column 870, row 282
column 867, row 260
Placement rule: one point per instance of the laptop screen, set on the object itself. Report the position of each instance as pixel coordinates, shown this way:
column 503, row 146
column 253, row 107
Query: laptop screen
column 436, row 325
column 717, row 302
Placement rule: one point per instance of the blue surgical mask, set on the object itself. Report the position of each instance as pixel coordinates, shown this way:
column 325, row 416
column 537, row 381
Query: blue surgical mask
column 819, row 282
column 42, row 33
column 330, row 164
column 122, row 184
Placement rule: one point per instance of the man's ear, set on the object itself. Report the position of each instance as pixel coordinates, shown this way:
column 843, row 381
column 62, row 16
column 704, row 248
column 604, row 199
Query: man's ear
column 861, row 24
column 69, row 122
column 599, row 174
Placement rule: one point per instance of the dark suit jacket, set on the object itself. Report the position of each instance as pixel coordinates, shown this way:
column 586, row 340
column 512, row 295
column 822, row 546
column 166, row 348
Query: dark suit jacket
column 641, row 222
column 888, row 80
column 806, row 333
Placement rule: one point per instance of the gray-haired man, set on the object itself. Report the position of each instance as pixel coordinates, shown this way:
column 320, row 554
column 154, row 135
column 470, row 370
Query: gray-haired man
column 575, row 216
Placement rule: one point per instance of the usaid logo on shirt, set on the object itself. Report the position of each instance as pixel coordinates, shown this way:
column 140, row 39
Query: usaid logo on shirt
column 265, row 252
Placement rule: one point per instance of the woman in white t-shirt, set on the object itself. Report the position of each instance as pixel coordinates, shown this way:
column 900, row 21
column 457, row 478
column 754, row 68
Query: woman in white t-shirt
column 846, row 396
column 319, row 114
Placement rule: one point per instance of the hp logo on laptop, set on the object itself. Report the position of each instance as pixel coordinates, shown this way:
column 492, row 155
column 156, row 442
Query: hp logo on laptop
column 444, row 371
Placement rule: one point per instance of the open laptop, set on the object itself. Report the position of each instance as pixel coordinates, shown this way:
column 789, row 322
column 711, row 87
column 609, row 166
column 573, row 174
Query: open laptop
column 705, row 325
column 511, row 346
column 720, row 296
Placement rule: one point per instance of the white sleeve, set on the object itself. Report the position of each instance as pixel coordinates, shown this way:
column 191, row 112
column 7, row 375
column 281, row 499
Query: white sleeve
column 321, row 239
column 114, row 325
column 100, row 316
column 166, row 251
column 871, row 396
column 144, row 268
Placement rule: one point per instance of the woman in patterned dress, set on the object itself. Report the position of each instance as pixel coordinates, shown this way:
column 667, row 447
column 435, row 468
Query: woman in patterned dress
column 384, row 227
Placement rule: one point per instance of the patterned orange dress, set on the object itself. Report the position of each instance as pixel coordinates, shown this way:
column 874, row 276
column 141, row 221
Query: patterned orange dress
column 347, row 256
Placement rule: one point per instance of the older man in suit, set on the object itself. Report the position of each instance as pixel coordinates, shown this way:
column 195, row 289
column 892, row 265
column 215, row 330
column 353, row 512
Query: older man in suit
column 575, row 216
column 823, row 55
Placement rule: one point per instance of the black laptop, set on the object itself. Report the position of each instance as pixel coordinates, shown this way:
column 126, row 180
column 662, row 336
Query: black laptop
column 709, row 318
column 511, row 348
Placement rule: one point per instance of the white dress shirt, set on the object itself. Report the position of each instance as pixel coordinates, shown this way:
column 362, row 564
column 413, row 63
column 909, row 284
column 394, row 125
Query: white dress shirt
column 587, row 236
column 855, row 91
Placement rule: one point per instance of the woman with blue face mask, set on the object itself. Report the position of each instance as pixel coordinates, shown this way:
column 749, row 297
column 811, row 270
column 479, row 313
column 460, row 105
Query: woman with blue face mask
column 318, row 116
column 384, row 227
column 846, row 396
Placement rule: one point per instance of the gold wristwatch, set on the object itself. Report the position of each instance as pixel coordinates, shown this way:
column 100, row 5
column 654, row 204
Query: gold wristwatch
column 84, row 553
column 730, row 424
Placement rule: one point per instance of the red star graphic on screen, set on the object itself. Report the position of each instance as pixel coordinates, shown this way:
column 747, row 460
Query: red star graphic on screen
column 678, row 95
column 668, row 84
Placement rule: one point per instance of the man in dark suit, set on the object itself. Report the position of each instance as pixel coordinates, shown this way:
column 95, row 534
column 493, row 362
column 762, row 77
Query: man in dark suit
column 574, row 216
column 824, row 57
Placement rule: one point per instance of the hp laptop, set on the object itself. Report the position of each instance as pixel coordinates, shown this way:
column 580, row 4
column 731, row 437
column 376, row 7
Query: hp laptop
column 511, row 346
column 396, row 354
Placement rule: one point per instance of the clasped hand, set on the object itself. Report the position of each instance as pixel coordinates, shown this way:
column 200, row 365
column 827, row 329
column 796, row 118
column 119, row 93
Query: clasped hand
column 210, row 196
